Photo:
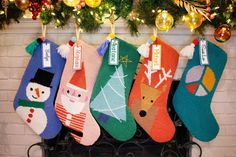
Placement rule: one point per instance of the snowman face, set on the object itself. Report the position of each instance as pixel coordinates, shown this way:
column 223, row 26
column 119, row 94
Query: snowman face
column 37, row 92
column 73, row 100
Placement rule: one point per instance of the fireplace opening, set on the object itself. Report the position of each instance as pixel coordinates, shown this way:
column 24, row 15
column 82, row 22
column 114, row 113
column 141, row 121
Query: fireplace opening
column 141, row 145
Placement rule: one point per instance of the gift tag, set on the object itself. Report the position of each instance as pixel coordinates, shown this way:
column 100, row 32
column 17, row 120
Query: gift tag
column 114, row 52
column 77, row 57
column 203, row 52
column 46, row 55
column 156, row 57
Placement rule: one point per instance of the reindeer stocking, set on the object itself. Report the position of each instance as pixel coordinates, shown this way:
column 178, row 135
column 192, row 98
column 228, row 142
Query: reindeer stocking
column 148, row 98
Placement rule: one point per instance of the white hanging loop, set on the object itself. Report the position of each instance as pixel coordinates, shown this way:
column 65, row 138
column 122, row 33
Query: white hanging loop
column 44, row 30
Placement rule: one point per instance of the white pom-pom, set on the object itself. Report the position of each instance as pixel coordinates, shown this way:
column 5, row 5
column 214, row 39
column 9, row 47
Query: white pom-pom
column 144, row 50
column 188, row 51
column 64, row 50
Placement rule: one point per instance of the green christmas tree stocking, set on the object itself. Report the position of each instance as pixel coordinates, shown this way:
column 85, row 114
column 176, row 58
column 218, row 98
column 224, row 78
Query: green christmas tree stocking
column 109, row 99
column 193, row 96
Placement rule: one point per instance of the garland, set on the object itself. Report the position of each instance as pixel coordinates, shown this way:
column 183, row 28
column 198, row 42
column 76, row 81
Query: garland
column 134, row 12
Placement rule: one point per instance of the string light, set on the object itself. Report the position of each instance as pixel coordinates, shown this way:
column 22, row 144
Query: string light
column 58, row 21
column 139, row 15
column 2, row 12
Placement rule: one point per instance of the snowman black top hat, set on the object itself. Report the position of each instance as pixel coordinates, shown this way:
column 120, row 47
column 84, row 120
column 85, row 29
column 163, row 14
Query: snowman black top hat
column 43, row 77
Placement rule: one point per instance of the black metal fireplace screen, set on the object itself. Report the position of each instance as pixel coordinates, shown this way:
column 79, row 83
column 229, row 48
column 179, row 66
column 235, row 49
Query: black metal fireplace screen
column 141, row 145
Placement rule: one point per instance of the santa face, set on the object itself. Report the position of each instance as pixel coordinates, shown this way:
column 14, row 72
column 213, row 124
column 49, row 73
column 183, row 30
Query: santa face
column 73, row 100
column 37, row 92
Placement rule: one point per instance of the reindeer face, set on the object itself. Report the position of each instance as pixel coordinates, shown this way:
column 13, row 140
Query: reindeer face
column 148, row 96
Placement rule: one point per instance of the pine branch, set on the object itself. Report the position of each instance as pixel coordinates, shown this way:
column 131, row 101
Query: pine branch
column 190, row 6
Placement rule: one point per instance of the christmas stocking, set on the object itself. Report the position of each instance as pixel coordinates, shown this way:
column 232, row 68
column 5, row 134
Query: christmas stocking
column 72, row 103
column 148, row 97
column 193, row 96
column 109, row 99
column 35, row 97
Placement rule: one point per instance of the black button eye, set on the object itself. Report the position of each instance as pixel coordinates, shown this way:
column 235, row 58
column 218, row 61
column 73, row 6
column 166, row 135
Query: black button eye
column 143, row 97
column 42, row 92
column 151, row 101
column 79, row 95
column 31, row 89
column 68, row 91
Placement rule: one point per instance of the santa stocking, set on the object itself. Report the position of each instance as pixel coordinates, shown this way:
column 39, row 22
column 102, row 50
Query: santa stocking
column 193, row 96
column 148, row 97
column 110, row 95
column 35, row 97
column 72, row 103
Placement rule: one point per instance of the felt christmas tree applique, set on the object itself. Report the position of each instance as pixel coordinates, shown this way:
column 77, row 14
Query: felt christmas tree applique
column 148, row 97
column 114, row 105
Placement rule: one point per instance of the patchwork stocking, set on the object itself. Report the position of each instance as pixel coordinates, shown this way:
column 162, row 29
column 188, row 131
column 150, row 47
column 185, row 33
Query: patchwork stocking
column 193, row 96
column 35, row 97
column 72, row 103
column 110, row 94
column 149, row 95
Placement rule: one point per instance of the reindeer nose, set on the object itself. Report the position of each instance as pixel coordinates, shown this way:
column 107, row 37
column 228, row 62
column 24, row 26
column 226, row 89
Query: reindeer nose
column 142, row 113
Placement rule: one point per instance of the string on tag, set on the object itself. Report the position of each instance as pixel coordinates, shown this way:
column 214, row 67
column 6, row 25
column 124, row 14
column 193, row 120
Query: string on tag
column 77, row 50
column 44, row 30
column 155, row 32
column 77, row 31
column 112, row 20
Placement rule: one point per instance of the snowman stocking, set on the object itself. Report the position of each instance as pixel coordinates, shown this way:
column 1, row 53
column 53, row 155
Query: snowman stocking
column 72, row 103
column 35, row 97
column 110, row 94
column 193, row 96
column 148, row 97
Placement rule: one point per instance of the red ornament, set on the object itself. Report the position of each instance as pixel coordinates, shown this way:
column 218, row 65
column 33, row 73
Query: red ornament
column 35, row 13
column 222, row 33
column 34, row 17
column 36, row 5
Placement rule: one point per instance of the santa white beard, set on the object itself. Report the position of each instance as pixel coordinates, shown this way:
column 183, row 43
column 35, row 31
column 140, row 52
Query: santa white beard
column 72, row 105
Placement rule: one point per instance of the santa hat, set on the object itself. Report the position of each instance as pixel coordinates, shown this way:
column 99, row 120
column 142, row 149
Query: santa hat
column 78, row 81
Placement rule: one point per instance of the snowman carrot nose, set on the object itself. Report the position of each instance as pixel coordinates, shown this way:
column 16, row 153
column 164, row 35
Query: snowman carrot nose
column 37, row 92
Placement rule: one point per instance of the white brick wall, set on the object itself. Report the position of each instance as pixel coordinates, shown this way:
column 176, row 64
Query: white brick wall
column 15, row 136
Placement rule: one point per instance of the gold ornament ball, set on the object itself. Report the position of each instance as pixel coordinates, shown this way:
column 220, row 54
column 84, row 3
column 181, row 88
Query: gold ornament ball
column 164, row 21
column 71, row 3
column 22, row 4
column 222, row 33
column 93, row 3
column 193, row 20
